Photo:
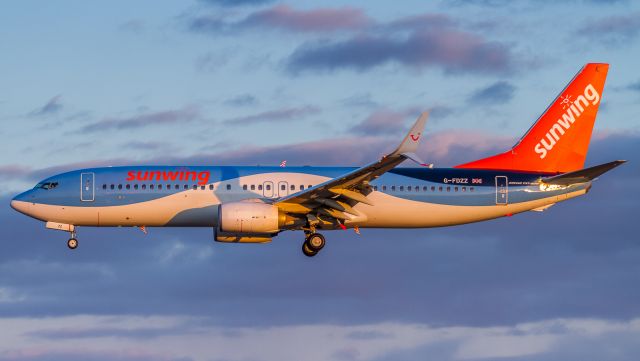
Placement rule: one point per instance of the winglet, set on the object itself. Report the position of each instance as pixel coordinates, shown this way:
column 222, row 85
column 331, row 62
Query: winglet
column 410, row 142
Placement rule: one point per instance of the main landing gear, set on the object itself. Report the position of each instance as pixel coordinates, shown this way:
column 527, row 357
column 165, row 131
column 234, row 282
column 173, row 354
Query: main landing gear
column 313, row 243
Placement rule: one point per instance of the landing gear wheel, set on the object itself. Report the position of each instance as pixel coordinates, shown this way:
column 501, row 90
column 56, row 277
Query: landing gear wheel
column 308, row 251
column 315, row 242
column 72, row 243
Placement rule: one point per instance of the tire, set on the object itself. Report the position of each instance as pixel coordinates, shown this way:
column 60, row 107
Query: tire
column 72, row 243
column 315, row 242
column 308, row 251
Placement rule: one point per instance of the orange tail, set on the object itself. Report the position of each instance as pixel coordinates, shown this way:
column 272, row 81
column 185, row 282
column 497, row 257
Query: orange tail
column 559, row 140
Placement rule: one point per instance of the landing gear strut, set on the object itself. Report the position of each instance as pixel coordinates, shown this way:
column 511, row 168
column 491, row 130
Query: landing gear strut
column 313, row 243
column 72, row 243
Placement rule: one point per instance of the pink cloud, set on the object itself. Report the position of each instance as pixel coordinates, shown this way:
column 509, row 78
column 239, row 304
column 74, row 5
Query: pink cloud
column 321, row 19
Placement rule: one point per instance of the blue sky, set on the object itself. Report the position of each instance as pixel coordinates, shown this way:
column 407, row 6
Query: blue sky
column 328, row 83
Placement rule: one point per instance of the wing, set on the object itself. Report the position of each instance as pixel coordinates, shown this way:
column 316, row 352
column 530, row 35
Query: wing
column 333, row 200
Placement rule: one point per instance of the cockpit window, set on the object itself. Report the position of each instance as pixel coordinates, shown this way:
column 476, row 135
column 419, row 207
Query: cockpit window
column 47, row 185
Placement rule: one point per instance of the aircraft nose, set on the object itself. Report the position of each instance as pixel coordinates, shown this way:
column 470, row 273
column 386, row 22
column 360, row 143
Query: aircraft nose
column 19, row 203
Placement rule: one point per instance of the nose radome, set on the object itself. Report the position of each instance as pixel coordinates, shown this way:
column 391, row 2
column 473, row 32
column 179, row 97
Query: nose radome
column 19, row 203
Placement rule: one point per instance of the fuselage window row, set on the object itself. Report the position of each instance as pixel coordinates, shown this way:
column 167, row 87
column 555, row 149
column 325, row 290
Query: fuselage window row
column 282, row 187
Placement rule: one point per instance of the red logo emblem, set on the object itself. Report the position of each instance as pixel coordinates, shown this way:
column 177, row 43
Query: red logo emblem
column 415, row 137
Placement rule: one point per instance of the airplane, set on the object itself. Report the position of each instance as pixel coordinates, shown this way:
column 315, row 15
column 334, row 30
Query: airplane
column 247, row 204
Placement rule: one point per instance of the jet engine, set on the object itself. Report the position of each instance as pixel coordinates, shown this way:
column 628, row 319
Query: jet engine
column 248, row 218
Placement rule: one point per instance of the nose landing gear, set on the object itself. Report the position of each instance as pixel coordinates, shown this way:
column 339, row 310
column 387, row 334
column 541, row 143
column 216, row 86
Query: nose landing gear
column 72, row 243
column 313, row 243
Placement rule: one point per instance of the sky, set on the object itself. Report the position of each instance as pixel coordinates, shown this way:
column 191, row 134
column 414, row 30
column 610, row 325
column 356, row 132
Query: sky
column 248, row 82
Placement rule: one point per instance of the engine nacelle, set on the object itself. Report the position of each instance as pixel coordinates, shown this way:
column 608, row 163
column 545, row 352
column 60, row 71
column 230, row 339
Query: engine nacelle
column 248, row 217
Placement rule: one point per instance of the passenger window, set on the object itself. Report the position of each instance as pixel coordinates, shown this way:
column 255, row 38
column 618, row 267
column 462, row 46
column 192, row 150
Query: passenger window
column 301, row 187
column 186, row 186
column 433, row 188
column 448, row 189
column 293, row 188
column 259, row 187
column 283, row 187
column 159, row 186
column 425, row 188
column 150, row 186
column 401, row 188
column 112, row 187
column 309, row 186
column 440, row 188
column 135, row 186
column 268, row 187
column 195, row 187
column 128, row 186
column 202, row 188
column 177, row 186
column 253, row 187
column 464, row 189
column 455, row 189
column 409, row 188
column 393, row 188
column 384, row 188
column 375, row 188
column 119, row 186
column 244, row 187
column 228, row 187
column 144, row 186
column 210, row 187
column 104, row 186
column 470, row 189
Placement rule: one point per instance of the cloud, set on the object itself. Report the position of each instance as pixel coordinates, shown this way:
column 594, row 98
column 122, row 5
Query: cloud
column 497, row 93
column 13, row 171
column 146, row 146
column 422, row 21
column 277, row 115
column 233, row 3
column 360, row 100
column 134, row 26
column 384, row 122
column 53, row 106
column 634, row 86
column 286, row 18
column 616, row 29
column 451, row 50
column 506, row 3
column 185, row 114
column 242, row 100
column 418, row 41
column 211, row 62
column 58, row 337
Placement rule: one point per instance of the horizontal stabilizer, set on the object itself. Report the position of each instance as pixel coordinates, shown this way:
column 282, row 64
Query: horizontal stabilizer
column 583, row 175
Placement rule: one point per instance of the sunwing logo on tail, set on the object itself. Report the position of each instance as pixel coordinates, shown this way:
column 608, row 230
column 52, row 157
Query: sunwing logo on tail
column 573, row 112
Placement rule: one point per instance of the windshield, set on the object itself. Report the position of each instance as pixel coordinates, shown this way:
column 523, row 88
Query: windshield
column 46, row 185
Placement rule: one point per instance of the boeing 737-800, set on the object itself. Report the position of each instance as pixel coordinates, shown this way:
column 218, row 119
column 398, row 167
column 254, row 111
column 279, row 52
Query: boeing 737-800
column 255, row 204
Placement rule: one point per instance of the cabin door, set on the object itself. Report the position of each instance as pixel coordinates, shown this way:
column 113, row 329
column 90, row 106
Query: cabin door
column 87, row 187
column 502, row 190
